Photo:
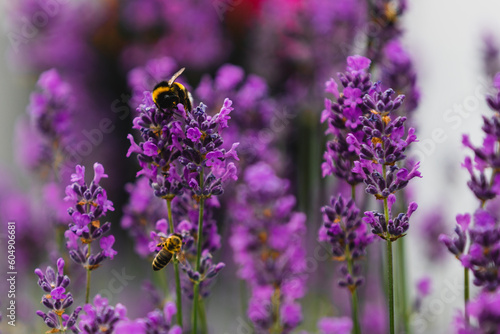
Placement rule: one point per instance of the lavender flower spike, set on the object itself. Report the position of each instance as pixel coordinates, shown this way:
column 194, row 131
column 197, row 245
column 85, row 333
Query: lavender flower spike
column 348, row 236
column 57, row 300
column 100, row 317
column 89, row 204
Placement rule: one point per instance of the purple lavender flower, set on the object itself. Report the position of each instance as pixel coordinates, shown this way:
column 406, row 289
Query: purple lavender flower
column 343, row 229
column 167, row 141
column 484, row 314
column 50, row 110
column 396, row 227
column 384, row 145
column 483, row 256
column 484, row 184
column 100, row 317
column 267, row 244
column 206, row 157
column 185, row 210
column 456, row 245
column 89, row 204
column 343, row 119
column 57, row 300
column 253, row 112
column 204, row 276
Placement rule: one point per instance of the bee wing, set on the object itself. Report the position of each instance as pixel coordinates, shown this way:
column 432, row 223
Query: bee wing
column 175, row 76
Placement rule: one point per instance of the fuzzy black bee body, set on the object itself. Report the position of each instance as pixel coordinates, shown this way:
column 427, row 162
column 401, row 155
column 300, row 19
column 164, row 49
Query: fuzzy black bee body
column 168, row 94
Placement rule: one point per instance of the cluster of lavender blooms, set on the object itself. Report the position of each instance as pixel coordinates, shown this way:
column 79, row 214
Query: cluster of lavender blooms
column 363, row 131
column 343, row 118
column 57, row 299
column 268, row 246
column 483, row 311
column 89, row 204
column 369, row 144
column 185, row 211
column 183, row 150
column 476, row 242
column 348, row 236
column 100, row 317
column 384, row 145
column 253, row 109
column 183, row 157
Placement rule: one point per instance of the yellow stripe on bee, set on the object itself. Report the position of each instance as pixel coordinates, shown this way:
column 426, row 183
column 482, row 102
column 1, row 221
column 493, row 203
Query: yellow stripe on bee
column 181, row 86
column 158, row 91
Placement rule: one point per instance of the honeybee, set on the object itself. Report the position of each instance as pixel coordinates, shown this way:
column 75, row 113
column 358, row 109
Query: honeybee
column 167, row 94
column 171, row 246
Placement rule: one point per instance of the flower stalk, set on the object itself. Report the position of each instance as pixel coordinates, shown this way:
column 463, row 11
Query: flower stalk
column 196, row 294
column 178, row 294
column 390, row 274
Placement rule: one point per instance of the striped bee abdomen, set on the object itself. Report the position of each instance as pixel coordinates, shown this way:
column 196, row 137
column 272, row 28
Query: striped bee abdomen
column 162, row 259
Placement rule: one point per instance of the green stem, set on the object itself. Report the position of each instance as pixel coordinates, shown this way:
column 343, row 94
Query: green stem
column 200, row 233
column 276, row 302
column 196, row 300
column 61, row 324
column 466, row 294
column 243, row 297
column 178, row 294
column 400, row 244
column 354, row 293
column 390, row 274
column 203, row 317
column 196, row 293
column 87, row 292
column 354, row 301
column 390, row 286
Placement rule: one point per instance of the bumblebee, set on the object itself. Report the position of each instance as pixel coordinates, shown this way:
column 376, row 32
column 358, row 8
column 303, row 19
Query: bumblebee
column 171, row 245
column 167, row 94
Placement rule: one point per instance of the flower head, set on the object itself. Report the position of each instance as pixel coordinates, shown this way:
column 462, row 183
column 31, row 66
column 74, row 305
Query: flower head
column 89, row 204
column 57, row 299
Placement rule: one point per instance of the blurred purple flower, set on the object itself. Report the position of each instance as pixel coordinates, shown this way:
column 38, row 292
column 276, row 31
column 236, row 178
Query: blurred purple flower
column 100, row 317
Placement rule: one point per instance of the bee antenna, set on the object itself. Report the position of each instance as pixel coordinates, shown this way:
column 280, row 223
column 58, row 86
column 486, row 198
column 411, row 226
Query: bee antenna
column 175, row 76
